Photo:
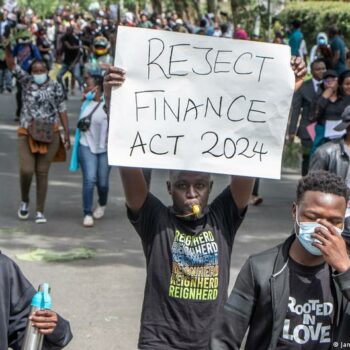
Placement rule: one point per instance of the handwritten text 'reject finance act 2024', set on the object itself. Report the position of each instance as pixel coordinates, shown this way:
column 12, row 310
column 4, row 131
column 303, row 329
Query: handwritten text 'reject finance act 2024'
column 200, row 103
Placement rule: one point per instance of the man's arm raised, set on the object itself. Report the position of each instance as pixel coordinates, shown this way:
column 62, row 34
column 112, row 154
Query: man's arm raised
column 134, row 184
column 135, row 188
column 241, row 189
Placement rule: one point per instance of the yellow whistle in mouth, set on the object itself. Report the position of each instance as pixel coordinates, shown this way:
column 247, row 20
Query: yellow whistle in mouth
column 196, row 209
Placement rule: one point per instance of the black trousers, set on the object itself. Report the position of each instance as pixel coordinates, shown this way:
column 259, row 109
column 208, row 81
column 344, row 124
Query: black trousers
column 18, row 99
column 306, row 146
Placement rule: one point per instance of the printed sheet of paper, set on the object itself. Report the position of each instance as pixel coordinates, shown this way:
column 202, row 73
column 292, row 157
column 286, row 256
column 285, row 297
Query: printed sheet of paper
column 200, row 103
column 329, row 129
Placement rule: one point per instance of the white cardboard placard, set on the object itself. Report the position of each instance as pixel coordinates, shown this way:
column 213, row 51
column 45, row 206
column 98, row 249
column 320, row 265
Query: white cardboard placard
column 200, row 103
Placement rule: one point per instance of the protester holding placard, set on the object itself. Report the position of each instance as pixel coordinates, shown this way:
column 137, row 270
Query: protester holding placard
column 187, row 247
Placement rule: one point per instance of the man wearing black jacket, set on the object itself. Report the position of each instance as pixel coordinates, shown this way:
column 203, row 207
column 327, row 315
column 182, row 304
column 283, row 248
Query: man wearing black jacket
column 295, row 295
column 15, row 299
column 301, row 111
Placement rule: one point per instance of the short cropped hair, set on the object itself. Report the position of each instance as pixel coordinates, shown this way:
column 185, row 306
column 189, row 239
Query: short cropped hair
column 316, row 61
column 36, row 61
column 322, row 181
column 173, row 174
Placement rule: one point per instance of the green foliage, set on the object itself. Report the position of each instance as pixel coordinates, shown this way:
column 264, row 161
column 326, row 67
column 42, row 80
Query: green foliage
column 291, row 155
column 41, row 7
column 44, row 8
column 318, row 16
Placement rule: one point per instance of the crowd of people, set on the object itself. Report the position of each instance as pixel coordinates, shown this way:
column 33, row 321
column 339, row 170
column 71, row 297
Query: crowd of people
column 293, row 296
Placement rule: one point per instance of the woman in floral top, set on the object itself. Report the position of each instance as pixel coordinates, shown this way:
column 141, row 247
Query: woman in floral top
column 42, row 99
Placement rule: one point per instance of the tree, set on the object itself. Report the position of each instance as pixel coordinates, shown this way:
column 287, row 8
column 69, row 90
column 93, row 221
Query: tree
column 41, row 7
column 157, row 6
column 211, row 6
column 180, row 7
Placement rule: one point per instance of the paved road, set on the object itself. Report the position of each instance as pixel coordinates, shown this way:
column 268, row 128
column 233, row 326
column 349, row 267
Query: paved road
column 102, row 296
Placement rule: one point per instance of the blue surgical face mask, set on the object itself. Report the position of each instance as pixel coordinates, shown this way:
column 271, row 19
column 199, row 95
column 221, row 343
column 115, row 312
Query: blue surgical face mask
column 90, row 95
column 40, row 78
column 306, row 230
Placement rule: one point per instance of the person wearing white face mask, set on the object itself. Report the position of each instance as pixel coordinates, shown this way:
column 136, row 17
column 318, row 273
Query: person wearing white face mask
column 39, row 141
column 90, row 150
column 297, row 294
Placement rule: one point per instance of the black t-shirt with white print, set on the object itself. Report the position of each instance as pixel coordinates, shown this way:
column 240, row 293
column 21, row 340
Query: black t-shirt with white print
column 188, row 265
column 309, row 319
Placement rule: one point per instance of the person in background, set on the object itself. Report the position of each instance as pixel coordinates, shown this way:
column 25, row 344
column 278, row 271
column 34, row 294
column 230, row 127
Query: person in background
column 44, row 45
column 24, row 52
column 321, row 51
column 295, row 295
column 240, row 33
column 92, row 152
column 334, row 157
column 100, row 57
column 295, row 38
column 144, row 21
column 5, row 74
column 344, row 83
column 328, row 108
column 301, row 111
column 71, row 46
column 43, row 100
column 338, row 50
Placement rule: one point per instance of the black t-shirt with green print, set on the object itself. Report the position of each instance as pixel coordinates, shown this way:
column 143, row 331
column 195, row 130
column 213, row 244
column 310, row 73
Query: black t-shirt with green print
column 188, row 265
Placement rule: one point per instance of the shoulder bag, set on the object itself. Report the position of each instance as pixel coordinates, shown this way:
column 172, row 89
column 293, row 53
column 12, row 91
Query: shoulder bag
column 85, row 122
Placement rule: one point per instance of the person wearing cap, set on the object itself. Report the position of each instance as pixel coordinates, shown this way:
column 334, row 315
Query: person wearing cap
column 327, row 109
column 334, row 157
column 296, row 295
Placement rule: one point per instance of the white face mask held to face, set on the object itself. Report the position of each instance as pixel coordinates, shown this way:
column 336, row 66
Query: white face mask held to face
column 306, row 230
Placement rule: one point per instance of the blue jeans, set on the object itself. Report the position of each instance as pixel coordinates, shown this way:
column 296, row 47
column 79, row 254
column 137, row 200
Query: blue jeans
column 95, row 171
column 75, row 70
column 5, row 80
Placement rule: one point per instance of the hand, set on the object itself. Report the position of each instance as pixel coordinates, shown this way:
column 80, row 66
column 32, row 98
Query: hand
column 299, row 69
column 291, row 138
column 331, row 87
column 44, row 320
column 332, row 246
column 114, row 77
column 67, row 141
column 327, row 93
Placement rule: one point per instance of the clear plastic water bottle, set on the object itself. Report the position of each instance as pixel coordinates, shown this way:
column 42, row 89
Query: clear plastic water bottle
column 33, row 340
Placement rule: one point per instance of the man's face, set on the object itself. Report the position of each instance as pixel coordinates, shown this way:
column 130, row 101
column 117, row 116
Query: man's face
column 187, row 189
column 317, row 70
column 318, row 205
